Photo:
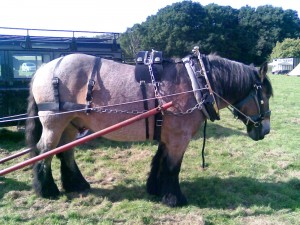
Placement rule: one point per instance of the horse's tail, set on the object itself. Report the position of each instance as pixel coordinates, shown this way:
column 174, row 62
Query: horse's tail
column 33, row 125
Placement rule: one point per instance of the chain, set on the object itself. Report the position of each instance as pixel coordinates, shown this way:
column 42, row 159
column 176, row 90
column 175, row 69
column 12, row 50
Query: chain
column 198, row 106
column 136, row 112
column 115, row 111
column 154, row 83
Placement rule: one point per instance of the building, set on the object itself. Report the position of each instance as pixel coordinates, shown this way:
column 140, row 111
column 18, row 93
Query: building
column 284, row 65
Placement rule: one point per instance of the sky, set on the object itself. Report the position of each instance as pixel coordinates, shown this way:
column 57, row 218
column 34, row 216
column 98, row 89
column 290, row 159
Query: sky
column 101, row 15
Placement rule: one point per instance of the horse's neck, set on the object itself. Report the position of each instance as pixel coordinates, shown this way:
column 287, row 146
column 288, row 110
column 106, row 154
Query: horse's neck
column 230, row 89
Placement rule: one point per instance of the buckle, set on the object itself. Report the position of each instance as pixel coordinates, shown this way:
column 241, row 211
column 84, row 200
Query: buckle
column 55, row 81
column 158, row 123
column 91, row 83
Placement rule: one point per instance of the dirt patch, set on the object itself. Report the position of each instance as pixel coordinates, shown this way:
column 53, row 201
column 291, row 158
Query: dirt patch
column 181, row 219
column 260, row 220
column 295, row 120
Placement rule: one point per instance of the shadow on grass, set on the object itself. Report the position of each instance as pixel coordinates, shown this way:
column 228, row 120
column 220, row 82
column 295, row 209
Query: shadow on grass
column 229, row 193
column 11, row 140
column 233, row 192
column 7, row 184
column 216, row 131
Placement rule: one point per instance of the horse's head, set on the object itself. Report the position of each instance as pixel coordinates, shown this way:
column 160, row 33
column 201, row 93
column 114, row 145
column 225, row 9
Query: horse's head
column 254, row 109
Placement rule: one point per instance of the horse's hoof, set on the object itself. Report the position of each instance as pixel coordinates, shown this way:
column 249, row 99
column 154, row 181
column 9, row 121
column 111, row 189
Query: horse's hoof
column 78, row 187
column 172, row 200
column 153, row 189
column 47, row 192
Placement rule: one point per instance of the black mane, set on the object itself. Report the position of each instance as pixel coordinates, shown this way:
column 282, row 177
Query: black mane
column 233, row 80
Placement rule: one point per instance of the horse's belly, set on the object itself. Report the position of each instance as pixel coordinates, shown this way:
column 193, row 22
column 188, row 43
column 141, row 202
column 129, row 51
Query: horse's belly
column 133, row 132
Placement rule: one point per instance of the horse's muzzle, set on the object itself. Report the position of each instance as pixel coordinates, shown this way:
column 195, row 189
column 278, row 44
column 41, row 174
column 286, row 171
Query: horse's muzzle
column 259, row 132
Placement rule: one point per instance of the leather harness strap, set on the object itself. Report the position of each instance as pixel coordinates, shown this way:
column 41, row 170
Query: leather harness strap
column 143, row 77
column 91, row 84
column 144, row 93
column 57, row 105
column 198, row 68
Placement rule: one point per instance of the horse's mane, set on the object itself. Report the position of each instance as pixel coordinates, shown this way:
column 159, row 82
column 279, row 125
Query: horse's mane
column 235, row 79
column 230, row 78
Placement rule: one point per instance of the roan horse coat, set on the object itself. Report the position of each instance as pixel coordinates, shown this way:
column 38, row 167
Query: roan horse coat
column 116, row 89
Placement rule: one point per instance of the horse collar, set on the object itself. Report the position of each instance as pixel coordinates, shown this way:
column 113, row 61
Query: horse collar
column 198, row 69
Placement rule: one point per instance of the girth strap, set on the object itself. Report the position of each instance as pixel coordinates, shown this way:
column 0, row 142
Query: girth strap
column 144, row 93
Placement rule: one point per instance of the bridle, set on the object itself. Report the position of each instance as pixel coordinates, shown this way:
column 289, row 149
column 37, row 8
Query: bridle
column 256, row 95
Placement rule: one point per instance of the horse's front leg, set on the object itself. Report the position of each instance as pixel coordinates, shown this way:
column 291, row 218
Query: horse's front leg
column 163, row 179
column 164, row 175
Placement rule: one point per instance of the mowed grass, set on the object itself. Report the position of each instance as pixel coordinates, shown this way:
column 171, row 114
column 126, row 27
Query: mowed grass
column 246, row 182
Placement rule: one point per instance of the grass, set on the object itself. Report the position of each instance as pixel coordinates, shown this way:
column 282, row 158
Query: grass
column 246, row 182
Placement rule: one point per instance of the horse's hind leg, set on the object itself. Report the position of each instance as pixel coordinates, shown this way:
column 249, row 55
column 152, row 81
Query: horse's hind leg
column 43, row 182
column 71, row 177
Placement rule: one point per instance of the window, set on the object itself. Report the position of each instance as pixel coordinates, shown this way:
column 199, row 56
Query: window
column 25, row 65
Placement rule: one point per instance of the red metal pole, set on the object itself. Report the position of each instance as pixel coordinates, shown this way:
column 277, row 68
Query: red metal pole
column 14, row 155
column 85, row 139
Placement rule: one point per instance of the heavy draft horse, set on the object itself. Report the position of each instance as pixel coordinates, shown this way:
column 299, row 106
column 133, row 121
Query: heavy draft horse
column 115, row 85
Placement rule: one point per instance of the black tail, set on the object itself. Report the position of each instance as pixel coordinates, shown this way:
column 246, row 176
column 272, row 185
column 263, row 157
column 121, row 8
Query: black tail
column 33, row 125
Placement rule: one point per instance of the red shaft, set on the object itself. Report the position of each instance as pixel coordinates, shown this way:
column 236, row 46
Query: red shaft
column 85, row 139
column 14, row 155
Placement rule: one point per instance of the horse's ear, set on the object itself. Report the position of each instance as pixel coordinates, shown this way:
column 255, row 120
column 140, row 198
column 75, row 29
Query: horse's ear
column 263, row 71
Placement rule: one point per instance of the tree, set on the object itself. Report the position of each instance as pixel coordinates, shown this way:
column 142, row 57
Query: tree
column 247, row 35
column 288, row 48
column 261, row 28
column 173, row 30
column 176, row 27
column 131, row 41
column 222, row 31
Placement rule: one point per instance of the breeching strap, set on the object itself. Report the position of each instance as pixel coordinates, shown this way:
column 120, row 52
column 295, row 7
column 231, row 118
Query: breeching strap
column 91, row 84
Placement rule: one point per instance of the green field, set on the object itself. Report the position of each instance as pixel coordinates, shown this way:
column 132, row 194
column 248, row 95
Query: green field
column 246, row 182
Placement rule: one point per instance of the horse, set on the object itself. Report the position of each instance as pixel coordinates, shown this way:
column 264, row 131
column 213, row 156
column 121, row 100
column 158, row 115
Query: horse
column 116, row 95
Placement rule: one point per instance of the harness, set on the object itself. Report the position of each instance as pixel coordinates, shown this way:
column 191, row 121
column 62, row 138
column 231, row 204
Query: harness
column 149, row 69
column 198, row 68
column 57, row 105
column 256, row 95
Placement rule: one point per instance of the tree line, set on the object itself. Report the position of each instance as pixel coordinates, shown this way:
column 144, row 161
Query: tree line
column 247, row 34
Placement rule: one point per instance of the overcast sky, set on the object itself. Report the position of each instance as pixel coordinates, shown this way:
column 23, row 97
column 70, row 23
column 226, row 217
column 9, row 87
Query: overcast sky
column 100, row 15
